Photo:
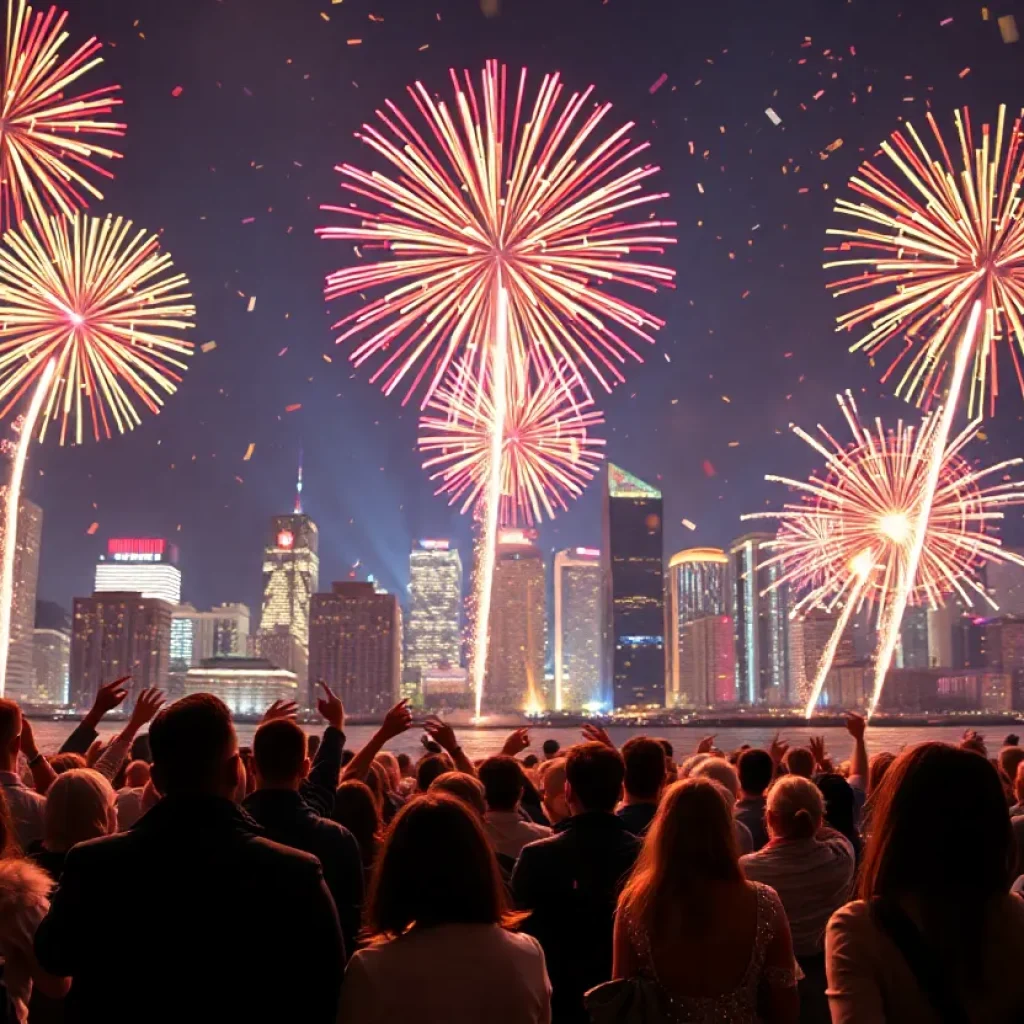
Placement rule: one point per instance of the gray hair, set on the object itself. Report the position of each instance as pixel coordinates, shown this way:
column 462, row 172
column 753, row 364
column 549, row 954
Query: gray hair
column 719, row 770
column 796, row 807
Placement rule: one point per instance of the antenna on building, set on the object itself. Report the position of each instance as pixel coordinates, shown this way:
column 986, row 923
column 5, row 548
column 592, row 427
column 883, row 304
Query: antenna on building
column 298, row 488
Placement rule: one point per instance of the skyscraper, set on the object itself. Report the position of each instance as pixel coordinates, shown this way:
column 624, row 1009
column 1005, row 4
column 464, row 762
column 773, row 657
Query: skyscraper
column 707, row 662
column 118, row 634
column 578, row 648
column 515, row 655
column 140, row 565
column 634, row 602
column 697, row 587
column 23, row 607
column 913, row 648
column 355, row 644
column 433, row 637
column 51, row 654
column 760, row 623
column 199, row 635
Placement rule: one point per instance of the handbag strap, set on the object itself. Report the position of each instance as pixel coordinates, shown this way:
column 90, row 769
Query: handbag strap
column 928, row 971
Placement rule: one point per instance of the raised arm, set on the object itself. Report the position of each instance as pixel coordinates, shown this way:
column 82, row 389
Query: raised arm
column 396, row 721
column 107, row 698
column 856, row 726
column 147, row 704
column 444, row 735
column 42, row 771
column 318, row 789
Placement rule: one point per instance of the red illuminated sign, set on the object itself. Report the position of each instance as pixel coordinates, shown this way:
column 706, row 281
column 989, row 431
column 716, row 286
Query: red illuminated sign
column 285, row 539
column 136, row 546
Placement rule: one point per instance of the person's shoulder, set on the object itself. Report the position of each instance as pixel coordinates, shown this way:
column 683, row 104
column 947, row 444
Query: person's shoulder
column 851, row 918
column 261, row 850
column 520, row 944
column 549, row 846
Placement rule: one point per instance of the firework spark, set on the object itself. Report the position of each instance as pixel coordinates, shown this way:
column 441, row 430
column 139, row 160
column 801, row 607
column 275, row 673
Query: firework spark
column 46, row 127
column 103, row 301
column 854, row 536
column 548, row 451
column 499, row 191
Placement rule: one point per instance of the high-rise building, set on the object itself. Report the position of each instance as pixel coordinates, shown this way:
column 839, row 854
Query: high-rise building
column 707, row 663
column 140, row 565
column 913, row 648
column 199, row 635
column 355, row 646
column 433, row 635
column 1005, row 584
column 697, row 588
column 578, row 648
column 23, row 606
column 940, row 634
column 515, row 655
column 247, row 685
column 51, row 659
column 118, row 634
column 634, row 599
column 760, row 613
column 808, row 637
column 282, row 648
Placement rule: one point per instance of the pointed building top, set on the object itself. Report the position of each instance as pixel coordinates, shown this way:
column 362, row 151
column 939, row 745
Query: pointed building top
column 298, row 488
column 624, row 485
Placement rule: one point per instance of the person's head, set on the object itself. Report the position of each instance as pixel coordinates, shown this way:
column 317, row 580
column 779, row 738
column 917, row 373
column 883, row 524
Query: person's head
column 136, row 775
column 552, row 790
column 755, row 769
column 141, row 750
column 405, row 766
column 312, row 745
column 646, row 769
column 719, row 770
column 531, row 761
column 549, row 749
column 1010, row 759
column 503, row 782
column 593, row 778
column 877, row 767
column 195, row 750
column 690, row 763
column 429, row 768
column 691, row 842
column 463, row 787
column 840, row 806
column 939, row 833
column 389, row 763
column 799, row 761
column 670, row 757
column 795, row 808
column 435, row 837
column 376, row 780
column 10, row 734
column 65, row 762
column 279, row 754
column 80, row 805
column 358, row 810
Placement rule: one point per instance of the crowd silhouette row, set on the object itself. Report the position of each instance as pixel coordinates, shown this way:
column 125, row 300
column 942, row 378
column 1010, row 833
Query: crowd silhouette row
column 171, row 875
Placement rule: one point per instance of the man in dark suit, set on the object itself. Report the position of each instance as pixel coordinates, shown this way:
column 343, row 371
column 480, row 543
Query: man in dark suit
column 279, row 752
column 571, row 881
column 229, row 925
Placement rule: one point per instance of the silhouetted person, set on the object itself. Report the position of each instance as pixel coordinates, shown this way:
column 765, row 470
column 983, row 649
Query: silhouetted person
column 236, row 927
column 646, row 776
column 755, row 769
column 508, row 831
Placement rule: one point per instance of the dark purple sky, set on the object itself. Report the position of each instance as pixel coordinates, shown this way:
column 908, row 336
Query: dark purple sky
column 271, row 96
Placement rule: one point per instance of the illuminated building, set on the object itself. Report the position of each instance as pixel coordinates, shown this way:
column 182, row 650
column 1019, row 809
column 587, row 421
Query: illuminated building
column 247, row 685
column 848, row 687
column 578, row 648
column 282, row 648
column 515, row 656
column 445, row 688
column 940, row 690
column 23, row 606
column 707, row 663
column 697, row 587
column 808, row 636
column 913, row 649
column 140, row 565
column 634, row 600
column 433, row 637
column 760, row 623
column 940, row 634
column 51, row 654
column 118, row 634
column 199, row 635
column 1005, row 585
column 355, row 644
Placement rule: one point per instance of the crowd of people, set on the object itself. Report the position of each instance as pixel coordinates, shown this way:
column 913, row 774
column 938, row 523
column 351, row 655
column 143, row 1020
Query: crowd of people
column 171, row 875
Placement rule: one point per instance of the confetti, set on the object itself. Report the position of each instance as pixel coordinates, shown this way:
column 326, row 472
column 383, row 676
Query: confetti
column 177, row 91
column 946, row 21
column 252, row 304
column 293, row 408
column 282, row 352
column 325, row 16
column 772, row 116
column 689, row 524
column 709, row 469
column 248, row 451
column 658, row 83
column 1008, row 28
column 354, row 42
column 92, row 529
column 248, row 220
column 490, row 8
column 965, row 72
column 726, row 398
column 207, row 346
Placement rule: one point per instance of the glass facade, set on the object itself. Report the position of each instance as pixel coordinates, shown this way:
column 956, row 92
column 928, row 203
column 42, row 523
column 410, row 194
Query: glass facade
column 578, row 650
column 291, row 575
column 433, row 637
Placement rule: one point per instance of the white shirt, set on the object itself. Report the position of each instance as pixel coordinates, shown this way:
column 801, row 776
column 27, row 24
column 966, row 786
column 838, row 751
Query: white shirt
column 813, row 879
column 129, row 806
column 27, row 808
column 509, row 833
column 451, row 974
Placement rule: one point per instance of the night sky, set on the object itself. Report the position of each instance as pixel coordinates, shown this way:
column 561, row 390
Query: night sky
column 270, row 95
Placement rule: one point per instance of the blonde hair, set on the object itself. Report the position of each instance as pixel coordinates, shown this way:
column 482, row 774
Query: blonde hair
column 719, row 770
column 78, row 807
column 795, row 807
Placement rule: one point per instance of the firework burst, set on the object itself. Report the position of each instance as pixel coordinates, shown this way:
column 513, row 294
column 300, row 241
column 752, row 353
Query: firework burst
column 102, row 300
column 47, row 129
column 499, row 193
column 548, row 453
column 936, row 237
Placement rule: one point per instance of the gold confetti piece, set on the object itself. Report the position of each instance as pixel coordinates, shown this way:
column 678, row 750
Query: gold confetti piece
column 726, row 398
column 734, row 444
column 1008, row 28
column 354, row 42
column 207, row 346
column 248, row 451
column 772, row 116
column 425, row 46
column 965, row 72
column 984, row 14
column 92, row 529
column 689, row 524
column 327, row 358
column 252, row 304
column 325, row 16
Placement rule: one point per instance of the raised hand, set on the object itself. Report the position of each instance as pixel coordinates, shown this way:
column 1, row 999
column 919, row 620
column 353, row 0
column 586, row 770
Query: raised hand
column 441, row 732
column 110, row 696
column 396, row 721
column 280, row 709
column 777, row 748
column 595, row 734
column 330, row 706
column 518, row 740
column 147, row 704
column 706, row 745
column 856, row 725
column 821, row 758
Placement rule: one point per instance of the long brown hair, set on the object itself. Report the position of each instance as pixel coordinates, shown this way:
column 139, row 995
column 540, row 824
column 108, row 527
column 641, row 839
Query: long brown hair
column 691, row 841
column 358, row 809
column 940, row 834
column 436, row 867
column 8, row 840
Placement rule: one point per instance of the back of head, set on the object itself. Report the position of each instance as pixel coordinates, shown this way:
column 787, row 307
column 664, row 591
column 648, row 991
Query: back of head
column 193, row 743
column 686, row 768
column 141, row 750
column 429, row 768
column 463, row 787
column 1010, row 759
column 646, row 768
column 279, row 750
column 879, row 764
column 692, row 841
column 80, row 805
column 840, row 805
column 136, row 775
column 10, row 724
column 756, row 769
column 436, row 868
column 405, row 764
column 503, row 782
column 65, row 762
column 719, row 770
column 795, row 808
column 550, row 748
column 389, row 763
column 800, row 761
column 357, row 809
column 594, row 773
